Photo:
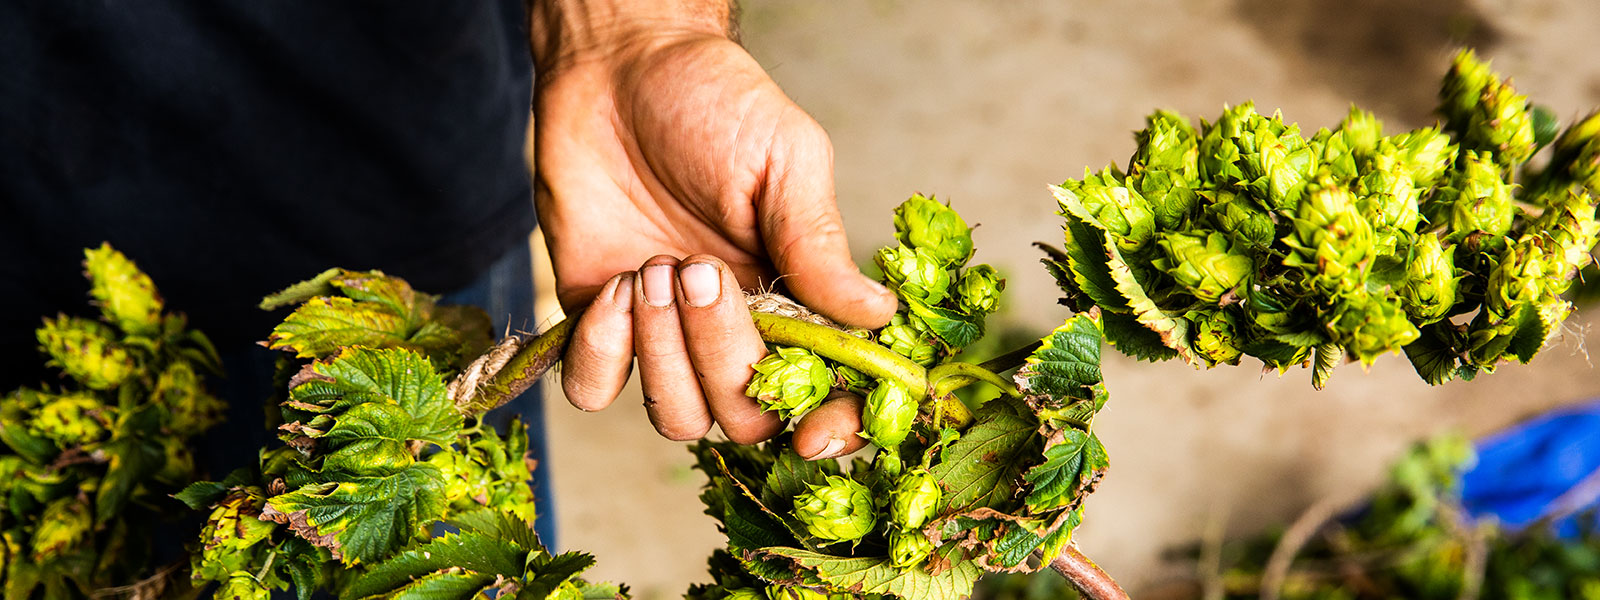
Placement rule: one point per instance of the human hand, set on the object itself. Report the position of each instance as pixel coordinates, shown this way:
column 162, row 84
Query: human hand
column 656, row 142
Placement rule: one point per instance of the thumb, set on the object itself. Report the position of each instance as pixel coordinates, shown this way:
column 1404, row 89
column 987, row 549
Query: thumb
column 804, row 235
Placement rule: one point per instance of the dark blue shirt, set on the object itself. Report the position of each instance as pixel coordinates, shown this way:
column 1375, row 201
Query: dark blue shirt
column 232, row 147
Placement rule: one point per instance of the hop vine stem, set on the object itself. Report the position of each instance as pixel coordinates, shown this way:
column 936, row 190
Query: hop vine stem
column 1090, row 580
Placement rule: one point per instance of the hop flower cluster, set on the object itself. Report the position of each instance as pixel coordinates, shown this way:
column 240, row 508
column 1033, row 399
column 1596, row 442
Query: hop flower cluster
column 1246, row 237
column 85, row 464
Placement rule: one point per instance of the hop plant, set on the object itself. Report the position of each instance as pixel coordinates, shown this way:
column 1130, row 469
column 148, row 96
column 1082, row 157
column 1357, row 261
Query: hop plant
column 840, row 510
column 1101, row 198
column 908, row 341
column 914, row 499
column 790, row 381
column 1275, row 162
column 1205, row 263
column 889, row 411
column 87, row 351
column 1165, row 168
column 1575, row 156
column 909, row 549
column 1426, row 154
column 1238, row 216
column 934, row 228
column 1217, row 336
column 1331, row 240
column 1475, row 206
column 1369, row 326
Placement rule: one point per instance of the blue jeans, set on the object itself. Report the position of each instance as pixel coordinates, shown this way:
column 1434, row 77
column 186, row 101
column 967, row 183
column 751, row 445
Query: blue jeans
column 505, row 291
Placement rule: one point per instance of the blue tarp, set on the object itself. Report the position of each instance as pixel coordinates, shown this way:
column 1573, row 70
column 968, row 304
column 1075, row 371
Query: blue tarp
column 1522, row 471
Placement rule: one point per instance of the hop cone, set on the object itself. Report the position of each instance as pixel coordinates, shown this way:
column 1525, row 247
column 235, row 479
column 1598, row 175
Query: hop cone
column 1569, row 223
column 232, row 536
column 889, row 411
column 847, row 378
column 914, row 273
column 1368, row 326
column 1361, row 131
column 1425, row 153
column 1475, row 206
column 1165, row 166
column 1121, row 211
column 791, row 381
column 191, row 408
column 1239, row 216
column 904, row 337
column 979, row 290
column 842, row 510
column 64, row 524
column 86, row 351
column 1335, row 155
column 74, row 420
column 241, row 585
column 1331, row 240
column 914, row 499
column 1522, row 275
column 928, row 225
column 1486, row 113
column 1576, row 154
column 1219, row 147
column 125, row 294
column 1204, row 263
column 1216, row 336
column 1276, row 163
column 1388, row 197
column 909, row 549
column 1431, row 285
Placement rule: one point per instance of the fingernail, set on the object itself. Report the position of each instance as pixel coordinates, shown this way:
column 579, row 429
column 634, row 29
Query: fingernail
column 658, row 285
column 702, row 283
column 829, row 451
column 623, row 294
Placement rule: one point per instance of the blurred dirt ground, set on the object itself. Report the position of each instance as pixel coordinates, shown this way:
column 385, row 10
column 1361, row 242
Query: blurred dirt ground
column 984, row 103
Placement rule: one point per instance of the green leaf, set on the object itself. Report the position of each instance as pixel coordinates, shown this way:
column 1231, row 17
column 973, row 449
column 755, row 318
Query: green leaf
column 474, row 551
column 392, row 293
column 200, row 495
column 1172, row 328
column 444, row 585
column 1434, row 354
column 498, row 524
column 1066, row 364
column 1069, row 473
column 1539, row 321
column 790, row 477
column 983, row 469
column 876, row 576
column 364, row 518
column 371, row 439
column 323, row 325
column 1324, row 360
column 1135, row 340
column 303, row 291
column 954, row 328
column 399, row 377
column 1087, row 263
column 546, row 573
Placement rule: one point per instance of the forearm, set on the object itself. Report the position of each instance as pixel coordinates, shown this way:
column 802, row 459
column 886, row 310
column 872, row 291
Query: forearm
column 562, row 31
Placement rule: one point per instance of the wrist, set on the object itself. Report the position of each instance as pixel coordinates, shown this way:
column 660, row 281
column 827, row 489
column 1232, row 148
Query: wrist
column 566, row 32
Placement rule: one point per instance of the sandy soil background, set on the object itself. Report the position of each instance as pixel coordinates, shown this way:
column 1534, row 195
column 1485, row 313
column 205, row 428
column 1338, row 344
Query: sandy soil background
column 984, row 103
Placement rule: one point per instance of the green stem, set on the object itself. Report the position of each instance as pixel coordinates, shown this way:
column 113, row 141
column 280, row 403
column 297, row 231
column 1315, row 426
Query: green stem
column 526, row 366
column 949, row 377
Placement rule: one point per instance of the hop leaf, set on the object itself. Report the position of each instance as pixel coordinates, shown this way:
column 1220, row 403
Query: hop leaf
column 363, row 519
column 85, row 351
column 1204, row 263
column 841, row 510
column 126, row 295
column 914, row 499
column 927, row 225
column 791, row 381
column 889, row 411
column 914, row 273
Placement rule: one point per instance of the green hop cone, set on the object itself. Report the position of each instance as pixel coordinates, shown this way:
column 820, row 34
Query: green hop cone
column 888, row 415
column 1331, row 240
column 1426, row 153
column 914, row 499
column 926, row 224
column 904, row 337
column 1368, row 326
column 978, row 292
column 241, row 585
column 191, row 409
column 1240, row 217
column 908, row 549
column 86, row 351
column 1361, row 131
column 1164, row 168
column 1205, row 263
column 1102, row 199
column 1475, row 205
column 1569, row 223
column 842, row 510
column 1431, row 284
column 1216, row 336
column 1388, row 196
column 74, row 419
column 1335, row 156
column 232, row 538
column 914, row 273
column 847, row 378
column 1485, row 113
column 1522, row 275
column 124, row 294
column 1276, row 163
column 1219, row 152
column 1575, row 156
column 791, row 381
